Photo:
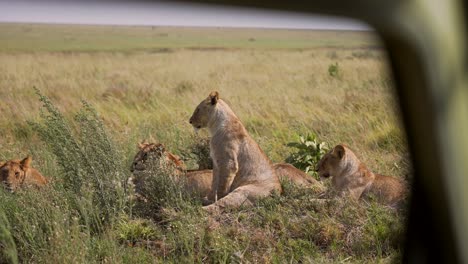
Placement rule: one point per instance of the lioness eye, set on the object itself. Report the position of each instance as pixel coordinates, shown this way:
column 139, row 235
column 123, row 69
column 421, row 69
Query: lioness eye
column 146, row 155
column 17, row 174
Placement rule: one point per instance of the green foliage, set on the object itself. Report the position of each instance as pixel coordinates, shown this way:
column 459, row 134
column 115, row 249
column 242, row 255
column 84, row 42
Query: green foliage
column 42, row 219
column 91, row 166
column 135, row 230
column 308, row 154
column 8, row 252
column 161, row 40
column 199, row 151
column 334, row 70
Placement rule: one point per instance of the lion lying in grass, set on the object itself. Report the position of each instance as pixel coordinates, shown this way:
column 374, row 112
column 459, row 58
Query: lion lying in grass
column 351, row 176
column 16, row 174
column 199, row 181
column 159, row 150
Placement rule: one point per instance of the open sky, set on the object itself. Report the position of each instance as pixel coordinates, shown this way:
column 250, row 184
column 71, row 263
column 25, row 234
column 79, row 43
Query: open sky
column 162, row 13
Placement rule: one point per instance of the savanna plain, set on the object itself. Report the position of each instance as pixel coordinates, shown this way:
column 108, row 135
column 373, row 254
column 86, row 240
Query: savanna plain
column 78, row 99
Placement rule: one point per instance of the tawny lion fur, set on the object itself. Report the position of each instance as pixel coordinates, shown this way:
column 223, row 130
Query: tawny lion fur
column 242, row 173
column 159, row 150
column 287, row 172
column 199, row 181
column 16, row 174
column 351, row 176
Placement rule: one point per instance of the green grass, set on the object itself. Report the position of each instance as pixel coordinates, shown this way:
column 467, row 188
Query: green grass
column 139, row 82
column 84, row 38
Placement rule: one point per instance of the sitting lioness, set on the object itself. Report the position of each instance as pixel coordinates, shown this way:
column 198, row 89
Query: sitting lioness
column 199, row 181
column 241, row 171
column 351, row 176
column 19, row 173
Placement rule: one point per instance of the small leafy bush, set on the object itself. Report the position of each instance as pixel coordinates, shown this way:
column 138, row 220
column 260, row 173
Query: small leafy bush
column 309, row 152
column 334, row 70
column 135, row 230
column 200, row 153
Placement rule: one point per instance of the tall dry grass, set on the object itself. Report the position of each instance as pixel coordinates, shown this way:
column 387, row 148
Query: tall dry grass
column 279, row 91
column 276, row 93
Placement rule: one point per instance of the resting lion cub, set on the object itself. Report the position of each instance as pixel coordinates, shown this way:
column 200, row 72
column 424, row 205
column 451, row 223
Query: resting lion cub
column 159, row 150
column 351, row 176
column 19, row 173
column 198, row 181
column 241, row 171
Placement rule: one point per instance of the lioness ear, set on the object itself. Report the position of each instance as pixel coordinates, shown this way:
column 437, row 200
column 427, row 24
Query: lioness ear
column 339, row 151
column 26, row 162
column 214, row 97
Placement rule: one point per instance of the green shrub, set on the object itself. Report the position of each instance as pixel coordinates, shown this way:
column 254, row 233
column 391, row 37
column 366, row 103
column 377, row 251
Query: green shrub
column 309, row 152
column 334, row 70
column 135, row 230
column 92, row 168
column 43, row 223
column 200, row 153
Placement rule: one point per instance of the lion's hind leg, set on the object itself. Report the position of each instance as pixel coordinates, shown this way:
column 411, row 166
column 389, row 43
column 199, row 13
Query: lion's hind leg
column 242, row 196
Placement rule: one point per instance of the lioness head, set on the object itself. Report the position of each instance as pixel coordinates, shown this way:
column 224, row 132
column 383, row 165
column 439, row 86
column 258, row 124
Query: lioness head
column 203, row 112
column 13, row 173
column 149, row 151
column 332, row 163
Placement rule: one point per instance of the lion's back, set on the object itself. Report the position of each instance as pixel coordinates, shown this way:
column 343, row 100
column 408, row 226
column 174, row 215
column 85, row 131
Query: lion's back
column 36, row 178
column 286, row 171
column 389, row 190
column 199, row 181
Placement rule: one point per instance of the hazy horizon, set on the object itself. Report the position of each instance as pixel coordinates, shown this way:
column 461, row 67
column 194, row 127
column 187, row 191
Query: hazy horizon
column 164, row 14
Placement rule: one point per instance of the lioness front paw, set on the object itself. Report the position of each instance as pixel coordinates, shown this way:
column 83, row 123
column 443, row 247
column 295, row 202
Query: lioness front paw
column 211, row 209
column 206, row 201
